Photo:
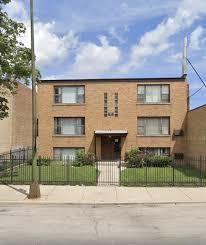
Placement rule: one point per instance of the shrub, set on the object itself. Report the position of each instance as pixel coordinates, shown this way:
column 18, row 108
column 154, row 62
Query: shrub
column 89, row 159
column 157, row 161
column 134, row 158
column 82, row 158
column 43, row 161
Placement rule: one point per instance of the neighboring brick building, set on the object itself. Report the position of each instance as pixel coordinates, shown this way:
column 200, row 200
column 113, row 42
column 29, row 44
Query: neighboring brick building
column 109, row 116
column 196, row 132
column 16, row 130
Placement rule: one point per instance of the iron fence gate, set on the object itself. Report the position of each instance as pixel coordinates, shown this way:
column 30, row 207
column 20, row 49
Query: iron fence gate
column 109, row 172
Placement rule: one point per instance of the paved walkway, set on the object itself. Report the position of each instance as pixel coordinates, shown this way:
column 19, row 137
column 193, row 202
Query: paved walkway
column 108, row 173
column 103, row 195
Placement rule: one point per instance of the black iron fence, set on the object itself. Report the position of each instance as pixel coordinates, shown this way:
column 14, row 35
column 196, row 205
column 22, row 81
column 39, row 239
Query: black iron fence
column 188, row 172
column 22, row 153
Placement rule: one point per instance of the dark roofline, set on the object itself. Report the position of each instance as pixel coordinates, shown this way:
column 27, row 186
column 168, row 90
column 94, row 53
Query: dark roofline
column 114, row 79
column 199, row 107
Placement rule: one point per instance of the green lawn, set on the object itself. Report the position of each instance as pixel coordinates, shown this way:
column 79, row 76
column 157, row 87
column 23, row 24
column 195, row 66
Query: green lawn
column 161, row 176
column 55, row 173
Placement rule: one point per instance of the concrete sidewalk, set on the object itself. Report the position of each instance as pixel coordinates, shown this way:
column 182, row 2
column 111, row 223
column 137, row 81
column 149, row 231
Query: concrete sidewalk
column 103, row 195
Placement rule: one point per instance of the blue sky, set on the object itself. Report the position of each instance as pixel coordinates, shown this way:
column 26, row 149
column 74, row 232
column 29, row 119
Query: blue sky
column 117, row 38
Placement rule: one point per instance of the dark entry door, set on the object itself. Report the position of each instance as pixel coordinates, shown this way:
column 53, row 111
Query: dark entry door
column 110, row 147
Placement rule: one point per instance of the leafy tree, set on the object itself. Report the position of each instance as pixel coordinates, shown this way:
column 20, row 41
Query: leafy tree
column 15, row 58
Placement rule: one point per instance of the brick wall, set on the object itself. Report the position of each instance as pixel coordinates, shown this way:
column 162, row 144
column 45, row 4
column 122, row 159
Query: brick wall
column 93, row 111
column 16, row 130
column 196, row 132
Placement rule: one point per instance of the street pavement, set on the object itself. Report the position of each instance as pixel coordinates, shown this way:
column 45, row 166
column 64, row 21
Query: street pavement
column 42, row 224
column 103, row 195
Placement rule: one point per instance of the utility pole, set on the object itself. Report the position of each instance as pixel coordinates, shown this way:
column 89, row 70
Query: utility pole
column 34, row 191
column 184, row 58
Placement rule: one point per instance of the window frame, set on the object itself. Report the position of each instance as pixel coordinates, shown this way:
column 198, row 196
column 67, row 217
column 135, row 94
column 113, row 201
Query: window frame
column 141, row 98
column 61, row 148
column 58, row 125
column 147, row 150
column 144, row 119
column 60, row 88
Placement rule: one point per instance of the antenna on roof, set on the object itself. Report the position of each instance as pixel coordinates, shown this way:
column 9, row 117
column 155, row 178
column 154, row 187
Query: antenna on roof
column 184, row 58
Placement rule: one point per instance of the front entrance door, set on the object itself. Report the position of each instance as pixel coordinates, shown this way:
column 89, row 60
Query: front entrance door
column 110, row 147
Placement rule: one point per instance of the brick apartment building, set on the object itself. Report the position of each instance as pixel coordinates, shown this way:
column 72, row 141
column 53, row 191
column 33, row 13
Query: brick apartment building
column 109, row 116
column 16, row 130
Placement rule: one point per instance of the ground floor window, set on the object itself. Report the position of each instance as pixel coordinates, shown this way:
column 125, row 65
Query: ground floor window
column 65, row 153
column 156, row 150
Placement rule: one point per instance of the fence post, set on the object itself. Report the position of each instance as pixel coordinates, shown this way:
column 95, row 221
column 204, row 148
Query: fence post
column 67, row 168
column 120, row 172
column 97, row 171
column 173, row 172
column 39, row 166
column 11, row 168
column 24, row 155
column 146, row 174
column 200, row 164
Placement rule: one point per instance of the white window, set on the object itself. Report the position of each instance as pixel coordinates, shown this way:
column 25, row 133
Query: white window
column 69, row 95
column 150, row 126
column 63, row 153
column 153, row 93
column 69, row 126
column 163, row 151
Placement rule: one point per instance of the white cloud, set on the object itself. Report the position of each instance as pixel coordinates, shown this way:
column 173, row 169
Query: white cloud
column 173, row 58
column 196, row 39
column 50, row 47
column 93, row 60
column 16, row 10
column 157, row 40
column 115, row 35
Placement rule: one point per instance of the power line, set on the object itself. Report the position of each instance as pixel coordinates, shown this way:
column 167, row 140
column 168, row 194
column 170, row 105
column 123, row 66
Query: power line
column 204, row 84
column 196, row 91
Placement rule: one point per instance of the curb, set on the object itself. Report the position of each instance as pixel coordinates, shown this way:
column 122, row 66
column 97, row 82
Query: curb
column 98, row 204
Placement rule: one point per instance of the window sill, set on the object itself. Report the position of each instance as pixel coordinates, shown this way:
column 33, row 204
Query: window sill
column 69, row 104
column 68, row 135
column 138, row 135
column 139, row 103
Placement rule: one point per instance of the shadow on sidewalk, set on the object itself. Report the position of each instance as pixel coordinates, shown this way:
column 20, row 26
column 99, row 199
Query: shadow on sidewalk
column 22, row 191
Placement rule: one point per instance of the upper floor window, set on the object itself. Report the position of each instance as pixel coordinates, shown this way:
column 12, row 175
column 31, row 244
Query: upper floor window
column 69, row 95
column 69, row 125
column 151, row 126
column 153, row 94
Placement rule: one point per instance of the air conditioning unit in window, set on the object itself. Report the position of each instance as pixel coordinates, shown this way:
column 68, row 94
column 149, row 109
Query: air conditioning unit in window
column 179, row 132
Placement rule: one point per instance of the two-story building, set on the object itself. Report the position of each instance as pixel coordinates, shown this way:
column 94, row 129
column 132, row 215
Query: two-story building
column 109, row 116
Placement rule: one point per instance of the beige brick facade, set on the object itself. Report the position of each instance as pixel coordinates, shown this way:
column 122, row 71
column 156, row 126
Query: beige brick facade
column 196, row 132
column 16, row 130
column 93, row 111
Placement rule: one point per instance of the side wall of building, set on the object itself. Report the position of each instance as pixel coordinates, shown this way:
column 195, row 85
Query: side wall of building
column 22, row 117
column 196, row 132
column 16, row 130
column 6, row 129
